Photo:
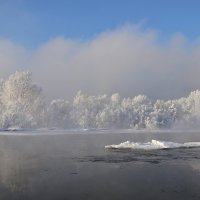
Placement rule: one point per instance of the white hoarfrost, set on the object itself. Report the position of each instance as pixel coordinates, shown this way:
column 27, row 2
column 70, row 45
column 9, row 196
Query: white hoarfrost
column 22, row 106
column 21, row 103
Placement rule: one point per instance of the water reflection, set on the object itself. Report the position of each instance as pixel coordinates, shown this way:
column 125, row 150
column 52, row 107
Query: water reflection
column 12, row 168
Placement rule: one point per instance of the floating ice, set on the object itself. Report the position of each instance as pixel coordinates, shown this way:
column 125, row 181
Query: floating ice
column 154, row 144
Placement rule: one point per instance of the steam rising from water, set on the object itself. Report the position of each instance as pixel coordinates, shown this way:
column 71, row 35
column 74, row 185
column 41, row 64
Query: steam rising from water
column 129, row 60
column 22, row 105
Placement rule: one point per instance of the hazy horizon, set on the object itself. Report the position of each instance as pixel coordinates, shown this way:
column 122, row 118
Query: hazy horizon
column 127, row 60
column 132, row 48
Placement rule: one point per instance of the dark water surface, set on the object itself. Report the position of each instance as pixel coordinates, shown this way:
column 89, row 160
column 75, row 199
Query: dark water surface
column 76, row 166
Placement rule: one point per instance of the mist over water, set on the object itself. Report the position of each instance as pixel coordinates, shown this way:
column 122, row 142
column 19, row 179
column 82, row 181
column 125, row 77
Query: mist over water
column 76, row 166
column 130, row 60
column 22, row 105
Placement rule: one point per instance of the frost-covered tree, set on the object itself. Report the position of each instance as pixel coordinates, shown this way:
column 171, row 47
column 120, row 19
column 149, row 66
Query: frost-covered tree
column 58, row 114
column 21, row 102
column 86, row 109
column 189, row 110
column 22, row 105
column 162, row 116
column 136, row 111
column 111, row 116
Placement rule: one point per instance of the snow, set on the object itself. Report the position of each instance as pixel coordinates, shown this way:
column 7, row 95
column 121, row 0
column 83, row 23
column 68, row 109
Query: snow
column 154, row 144
column 22, row 105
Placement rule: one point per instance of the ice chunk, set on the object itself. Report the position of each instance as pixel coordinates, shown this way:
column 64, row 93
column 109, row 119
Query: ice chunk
column 154, row 144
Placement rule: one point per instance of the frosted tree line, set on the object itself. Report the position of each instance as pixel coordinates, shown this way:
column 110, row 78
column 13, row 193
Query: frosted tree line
column 22, row 105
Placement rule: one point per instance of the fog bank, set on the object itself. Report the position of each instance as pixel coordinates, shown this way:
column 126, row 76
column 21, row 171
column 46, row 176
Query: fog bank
column 130, row 60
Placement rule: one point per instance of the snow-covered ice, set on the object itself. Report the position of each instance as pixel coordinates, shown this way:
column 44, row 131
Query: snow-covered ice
column 154, row 144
